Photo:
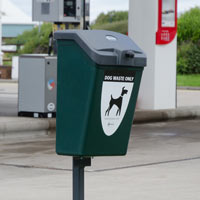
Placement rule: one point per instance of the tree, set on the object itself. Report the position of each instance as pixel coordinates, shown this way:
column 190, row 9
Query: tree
column 113, row 21
column 34, row 41
column 37, row 40
column 112, row 16
column 189, row 26
column 188, row 59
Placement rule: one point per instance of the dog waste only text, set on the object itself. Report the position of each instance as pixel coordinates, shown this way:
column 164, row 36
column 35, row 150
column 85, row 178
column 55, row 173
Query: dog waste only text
column 116, row 93
column 119, row 78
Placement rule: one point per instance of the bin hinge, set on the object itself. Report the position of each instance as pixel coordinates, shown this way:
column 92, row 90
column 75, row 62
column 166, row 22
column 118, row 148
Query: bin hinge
column 129, row 54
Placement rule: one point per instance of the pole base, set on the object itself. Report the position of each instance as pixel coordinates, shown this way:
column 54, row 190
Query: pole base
column 79, row 164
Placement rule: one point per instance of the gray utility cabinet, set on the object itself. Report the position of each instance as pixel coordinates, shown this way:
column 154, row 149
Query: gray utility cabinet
column 37, row 86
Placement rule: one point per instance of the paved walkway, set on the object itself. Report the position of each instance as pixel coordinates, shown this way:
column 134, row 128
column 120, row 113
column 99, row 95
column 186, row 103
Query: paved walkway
column 8, row 99
column 163, row 163
column 163, row 160
column 188, row 98
column 9, row 95
column 188, row 108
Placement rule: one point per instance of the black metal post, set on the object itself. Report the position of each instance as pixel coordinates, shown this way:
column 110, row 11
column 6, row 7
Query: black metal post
column 84, row 15
column 79, row 164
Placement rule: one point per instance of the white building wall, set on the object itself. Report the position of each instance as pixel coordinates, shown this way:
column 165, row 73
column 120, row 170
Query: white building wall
column 15, row 67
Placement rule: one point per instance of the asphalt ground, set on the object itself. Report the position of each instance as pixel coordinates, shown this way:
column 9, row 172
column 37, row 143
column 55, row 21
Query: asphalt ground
column 162, row 163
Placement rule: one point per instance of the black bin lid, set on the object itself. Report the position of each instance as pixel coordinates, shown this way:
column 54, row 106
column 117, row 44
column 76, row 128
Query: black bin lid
column 106, row 47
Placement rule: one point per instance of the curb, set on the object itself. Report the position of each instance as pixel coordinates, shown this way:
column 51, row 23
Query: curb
column 8, row 81
column 188, row 88
column 182, row 113
column 20, row 125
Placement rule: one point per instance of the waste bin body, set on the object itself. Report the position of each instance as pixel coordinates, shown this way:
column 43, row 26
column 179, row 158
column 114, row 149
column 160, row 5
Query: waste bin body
column 98, row 83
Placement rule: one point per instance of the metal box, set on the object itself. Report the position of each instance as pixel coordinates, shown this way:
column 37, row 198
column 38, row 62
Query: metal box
column 58, row 10
column 37, row 86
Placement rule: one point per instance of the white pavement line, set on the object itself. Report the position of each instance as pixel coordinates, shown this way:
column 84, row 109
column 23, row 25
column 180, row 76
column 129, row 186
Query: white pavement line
column 33, row 167
column 148, row 164
column 104, row 170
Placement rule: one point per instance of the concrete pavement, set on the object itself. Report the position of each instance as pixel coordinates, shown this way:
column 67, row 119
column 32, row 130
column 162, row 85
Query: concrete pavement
column 8, row 98
column 187, row 98
column 188, row 102
column 163, row 160
column 13, row 125
column 163, row 163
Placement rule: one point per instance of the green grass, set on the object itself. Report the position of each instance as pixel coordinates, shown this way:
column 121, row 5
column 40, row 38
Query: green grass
column 7, row 63
column 189, row 80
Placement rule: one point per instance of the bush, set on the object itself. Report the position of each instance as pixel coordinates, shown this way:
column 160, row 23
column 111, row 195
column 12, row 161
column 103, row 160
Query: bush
column 189, row 26
column 121, row 26
column 110, row 17
column 34, row 41
column 113, row 21
column 188, row 58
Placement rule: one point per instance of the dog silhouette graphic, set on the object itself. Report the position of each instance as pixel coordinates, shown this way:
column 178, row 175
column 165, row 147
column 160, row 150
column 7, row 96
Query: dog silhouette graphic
column 118, row 102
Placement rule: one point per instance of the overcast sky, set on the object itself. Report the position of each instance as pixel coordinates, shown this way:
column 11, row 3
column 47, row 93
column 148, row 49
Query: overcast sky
column 98, row 6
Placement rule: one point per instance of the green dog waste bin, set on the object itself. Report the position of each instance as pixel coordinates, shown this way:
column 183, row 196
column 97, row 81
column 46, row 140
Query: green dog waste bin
column 99, row 74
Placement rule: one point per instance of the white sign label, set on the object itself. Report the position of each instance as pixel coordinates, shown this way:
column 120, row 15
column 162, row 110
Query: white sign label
column 116, row 93
column 51, row 107
column 168, row 13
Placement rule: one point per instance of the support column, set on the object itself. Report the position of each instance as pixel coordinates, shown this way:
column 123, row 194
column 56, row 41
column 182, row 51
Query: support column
column 1, row 54
column 158, row 88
